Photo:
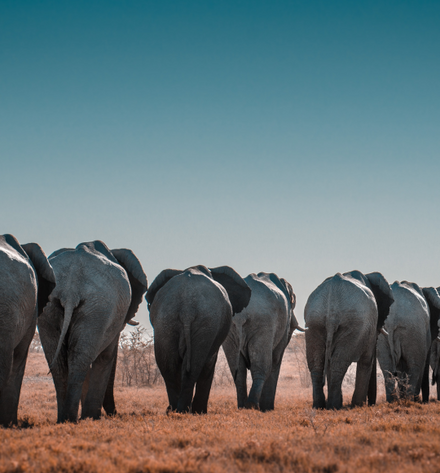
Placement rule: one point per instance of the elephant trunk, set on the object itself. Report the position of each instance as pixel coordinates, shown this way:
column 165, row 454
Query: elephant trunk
column 68, row 312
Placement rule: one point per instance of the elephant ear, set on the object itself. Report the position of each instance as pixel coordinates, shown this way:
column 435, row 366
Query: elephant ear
column 290, row 292
column 45, row 274
column 433, row 299
column 239, row 292
column 138, row 279
column 383, row 295
column 159, row 282
column 13, row 242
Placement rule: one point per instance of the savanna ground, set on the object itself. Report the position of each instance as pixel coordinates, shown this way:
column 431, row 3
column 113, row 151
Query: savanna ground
column 142, row 438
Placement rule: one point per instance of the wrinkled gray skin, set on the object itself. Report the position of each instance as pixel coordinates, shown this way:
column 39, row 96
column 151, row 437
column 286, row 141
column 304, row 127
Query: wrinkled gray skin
column 98, row 291
column 258, row 337
column 26, row 280
column 344, row 316
column 191, row 313
column 403, row 353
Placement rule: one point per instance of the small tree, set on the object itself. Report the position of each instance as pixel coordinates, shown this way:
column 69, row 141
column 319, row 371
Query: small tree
column 136, row 361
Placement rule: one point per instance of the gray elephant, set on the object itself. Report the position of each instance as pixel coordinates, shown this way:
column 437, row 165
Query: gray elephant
column 435, row 345
column 26, row 280
column 403, row 353
column 191, row 313
column 344, row 316
column 98, row 291
column 258, row 337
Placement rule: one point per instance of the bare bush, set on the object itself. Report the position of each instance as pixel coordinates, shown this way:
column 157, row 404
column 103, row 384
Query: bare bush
column 222, row 374
column 297, row 347
column 35, row 346
column 136, row 362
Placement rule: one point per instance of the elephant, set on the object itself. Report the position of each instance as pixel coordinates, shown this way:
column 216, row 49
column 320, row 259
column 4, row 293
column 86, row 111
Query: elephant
column 98, row 291
column 403, row 353
column 26, row 280
column 344, row 316
column 258, row 337
column 435, row 346
column 191, row 313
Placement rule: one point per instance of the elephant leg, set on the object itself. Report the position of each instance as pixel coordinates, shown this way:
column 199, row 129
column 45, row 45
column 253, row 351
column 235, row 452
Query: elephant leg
column 75, row 381
column 85, row 388
column 261, row 367
column 335, row 376
column 363, row 376
column 6, row 360
column 372, row 385
column 241, row 382
column 438, row 386
column 172, row 384
column 340, row 361
column 109, row 398
column 186, row 392
column 99, row 380
column 318, row 389
column 315, row 353
column 267, row 399
column 49, row 328
column 10, row 394
column 203, row 387
column 425, row 382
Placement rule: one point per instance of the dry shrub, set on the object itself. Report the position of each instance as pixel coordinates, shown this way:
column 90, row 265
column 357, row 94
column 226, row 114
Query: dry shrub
column 35, row 346
column 136, row 362
column 297, row 348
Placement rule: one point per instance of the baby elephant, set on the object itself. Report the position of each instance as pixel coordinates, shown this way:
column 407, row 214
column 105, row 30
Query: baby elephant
column 258, row 337
column 191, row 313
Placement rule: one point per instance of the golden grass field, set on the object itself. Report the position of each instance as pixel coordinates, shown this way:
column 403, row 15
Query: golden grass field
column 142, row 438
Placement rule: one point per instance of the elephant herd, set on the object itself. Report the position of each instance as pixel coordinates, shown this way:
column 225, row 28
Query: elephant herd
column 82, row 298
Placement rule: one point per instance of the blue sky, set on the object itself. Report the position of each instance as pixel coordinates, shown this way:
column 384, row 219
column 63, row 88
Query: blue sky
column 299, row 137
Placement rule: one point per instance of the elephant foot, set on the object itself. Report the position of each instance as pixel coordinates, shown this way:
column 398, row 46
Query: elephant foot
column 320, row 405
column 251, row 405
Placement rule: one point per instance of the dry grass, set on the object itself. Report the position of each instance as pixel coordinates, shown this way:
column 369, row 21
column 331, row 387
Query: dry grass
column 142, row 438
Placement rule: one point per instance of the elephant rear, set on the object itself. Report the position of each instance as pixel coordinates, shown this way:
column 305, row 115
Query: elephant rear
column 191, row 313
column 403, row 353
column 26, row 279
column 342, row 318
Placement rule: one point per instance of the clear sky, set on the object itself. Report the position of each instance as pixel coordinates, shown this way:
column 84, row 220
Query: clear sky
column 296, row 137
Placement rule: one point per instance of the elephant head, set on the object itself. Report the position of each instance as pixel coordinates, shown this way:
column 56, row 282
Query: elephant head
column 45, row 274
column 43, row 269
column 383, row 294
column 238, row 291
column 138, row 280
column 433, row 299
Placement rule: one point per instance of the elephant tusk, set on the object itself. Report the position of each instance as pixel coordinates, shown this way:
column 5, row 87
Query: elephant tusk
column 438, row 338
column 133, row 322
column 300, row 329
column 384, row 332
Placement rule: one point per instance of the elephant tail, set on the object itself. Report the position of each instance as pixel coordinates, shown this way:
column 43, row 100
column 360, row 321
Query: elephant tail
column 69, row 307
column 331, row 329
column 187, row 336
column 392, row 352
column 239, row 327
